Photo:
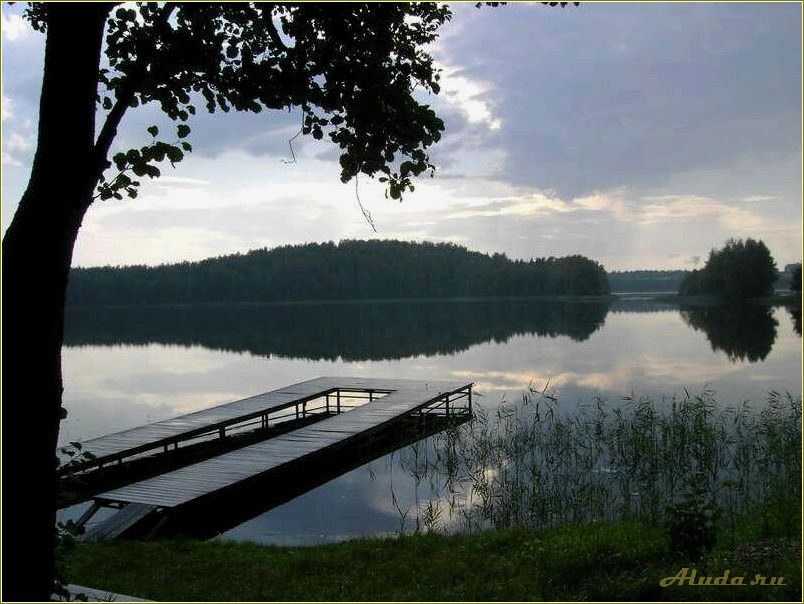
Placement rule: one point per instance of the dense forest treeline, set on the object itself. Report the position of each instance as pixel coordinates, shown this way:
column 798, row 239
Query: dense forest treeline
column 348, row 270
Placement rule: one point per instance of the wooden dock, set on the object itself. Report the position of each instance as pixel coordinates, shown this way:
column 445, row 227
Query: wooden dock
column 294, row 450
column 216, row 421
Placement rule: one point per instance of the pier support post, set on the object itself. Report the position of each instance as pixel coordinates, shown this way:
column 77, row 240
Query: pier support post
column 88, row 514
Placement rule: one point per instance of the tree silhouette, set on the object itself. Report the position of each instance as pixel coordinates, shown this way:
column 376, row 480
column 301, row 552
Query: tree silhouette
column 350, row 68
column 740, row 270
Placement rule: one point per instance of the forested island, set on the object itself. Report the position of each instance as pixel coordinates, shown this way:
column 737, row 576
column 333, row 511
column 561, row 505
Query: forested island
column 349, row 270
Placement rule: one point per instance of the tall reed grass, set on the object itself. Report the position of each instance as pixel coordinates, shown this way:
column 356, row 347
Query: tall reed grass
column 533, row 464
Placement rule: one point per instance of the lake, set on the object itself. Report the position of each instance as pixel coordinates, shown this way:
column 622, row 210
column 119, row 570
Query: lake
column 127, row 366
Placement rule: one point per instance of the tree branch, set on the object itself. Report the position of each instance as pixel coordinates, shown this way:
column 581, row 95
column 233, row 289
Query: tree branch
column 274, row 34
column 125, row 95
column 109, row 130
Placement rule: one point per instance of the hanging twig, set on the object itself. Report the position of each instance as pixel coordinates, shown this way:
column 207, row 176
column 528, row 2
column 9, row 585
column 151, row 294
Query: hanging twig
column 366, row 213
column 293, row 138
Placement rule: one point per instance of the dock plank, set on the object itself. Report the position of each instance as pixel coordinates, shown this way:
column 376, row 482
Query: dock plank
column 155, row 436
column 185, row 484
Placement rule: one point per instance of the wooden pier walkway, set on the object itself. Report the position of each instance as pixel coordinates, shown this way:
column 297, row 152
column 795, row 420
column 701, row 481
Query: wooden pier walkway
column 214, row 422
column 207, row 477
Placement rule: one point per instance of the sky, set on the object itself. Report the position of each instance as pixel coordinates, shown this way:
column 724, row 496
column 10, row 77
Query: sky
column 641, row 135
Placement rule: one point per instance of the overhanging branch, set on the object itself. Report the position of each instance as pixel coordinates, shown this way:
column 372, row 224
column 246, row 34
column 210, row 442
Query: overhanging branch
column 125, row 95
column 274, row 34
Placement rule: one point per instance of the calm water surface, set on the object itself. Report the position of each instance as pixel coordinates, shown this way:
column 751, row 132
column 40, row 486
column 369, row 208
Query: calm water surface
column 126, row 367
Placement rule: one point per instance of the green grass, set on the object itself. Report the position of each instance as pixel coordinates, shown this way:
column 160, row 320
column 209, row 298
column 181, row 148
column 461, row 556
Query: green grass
column 599, row 561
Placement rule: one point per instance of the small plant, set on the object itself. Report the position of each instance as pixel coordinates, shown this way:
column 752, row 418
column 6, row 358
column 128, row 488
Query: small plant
column 692, row 525
column 67, row 533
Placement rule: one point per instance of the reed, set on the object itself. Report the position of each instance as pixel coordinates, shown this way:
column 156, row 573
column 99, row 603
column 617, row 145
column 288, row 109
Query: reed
column 533, row 464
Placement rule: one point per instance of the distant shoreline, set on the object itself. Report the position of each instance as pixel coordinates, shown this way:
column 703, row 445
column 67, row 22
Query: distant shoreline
column 350, row 301
column 780, row 298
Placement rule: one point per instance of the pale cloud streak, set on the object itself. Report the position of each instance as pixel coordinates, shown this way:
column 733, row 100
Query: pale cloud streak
column 759, row 198
column 625, row 208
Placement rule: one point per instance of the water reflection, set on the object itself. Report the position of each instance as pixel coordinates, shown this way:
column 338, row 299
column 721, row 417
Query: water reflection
column 396, row 330
column 744, row 332
column 349, row 331
column 125, row 367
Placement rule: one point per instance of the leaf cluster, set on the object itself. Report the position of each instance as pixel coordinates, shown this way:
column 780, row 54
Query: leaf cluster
column 354, row 70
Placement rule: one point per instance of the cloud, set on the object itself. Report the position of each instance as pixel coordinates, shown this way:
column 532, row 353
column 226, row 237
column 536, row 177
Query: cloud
column 603, row 96
column 16, row 149
column 664, row 209
column 181, row 181
column 14, row 27
column 8, row 160
column 18, row 142
column 468, row 95
column 639, row 134
column 759, row 198
column 541, row 204
column 6, row 108
column 621, row 206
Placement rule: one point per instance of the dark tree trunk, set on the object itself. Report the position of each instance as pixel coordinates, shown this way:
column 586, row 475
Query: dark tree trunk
column 37, row 253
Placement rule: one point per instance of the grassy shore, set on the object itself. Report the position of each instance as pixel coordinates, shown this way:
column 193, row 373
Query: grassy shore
column 600, row 561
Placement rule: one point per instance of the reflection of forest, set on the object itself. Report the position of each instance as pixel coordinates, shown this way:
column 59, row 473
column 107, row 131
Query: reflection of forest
column 640, row 304
column 351, row 331
column 795, row 314
column 743, row 332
